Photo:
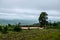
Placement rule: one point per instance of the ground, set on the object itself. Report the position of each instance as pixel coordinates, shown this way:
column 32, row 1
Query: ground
column 33, row 34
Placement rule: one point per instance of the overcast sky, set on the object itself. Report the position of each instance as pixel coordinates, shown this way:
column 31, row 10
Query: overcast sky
column 29, row 9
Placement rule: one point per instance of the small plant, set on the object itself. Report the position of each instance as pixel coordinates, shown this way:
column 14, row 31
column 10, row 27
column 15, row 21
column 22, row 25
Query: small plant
column 0, row 28
column 17, row 29
column 5, row 30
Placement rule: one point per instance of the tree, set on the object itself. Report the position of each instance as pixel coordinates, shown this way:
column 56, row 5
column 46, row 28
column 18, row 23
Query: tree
column 43, row 19
column 9, row 25
column 55, row 24
column 19, row 24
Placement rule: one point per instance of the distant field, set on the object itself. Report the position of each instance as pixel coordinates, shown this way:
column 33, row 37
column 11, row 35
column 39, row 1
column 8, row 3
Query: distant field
column 41, row 34
column 31, row 28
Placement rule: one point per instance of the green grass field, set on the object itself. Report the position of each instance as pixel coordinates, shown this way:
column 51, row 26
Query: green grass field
column 41, row 34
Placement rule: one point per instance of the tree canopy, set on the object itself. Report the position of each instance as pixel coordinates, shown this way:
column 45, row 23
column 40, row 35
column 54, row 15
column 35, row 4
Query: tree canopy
column 43, row 19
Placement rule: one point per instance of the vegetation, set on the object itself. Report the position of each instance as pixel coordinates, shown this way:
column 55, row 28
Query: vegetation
column 55, row 25
column 5, row 30
column 0, row 28
column 43, row 19
column 45, row 34
column 17, row 29
column 14, row 32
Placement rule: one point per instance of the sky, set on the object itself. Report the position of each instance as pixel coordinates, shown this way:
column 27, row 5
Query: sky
column 29, row 9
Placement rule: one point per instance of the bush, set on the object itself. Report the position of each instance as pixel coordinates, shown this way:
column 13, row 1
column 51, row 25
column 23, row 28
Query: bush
column 17, row 29
column 9, row 25
column 0, row 28
column 5, row 30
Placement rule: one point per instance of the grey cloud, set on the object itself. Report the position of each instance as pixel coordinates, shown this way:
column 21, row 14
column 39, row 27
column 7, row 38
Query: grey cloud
column 28, row 9
column 24, row 13
column 33, row 4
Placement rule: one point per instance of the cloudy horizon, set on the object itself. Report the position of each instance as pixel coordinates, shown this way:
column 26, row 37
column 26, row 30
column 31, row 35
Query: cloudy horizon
column 29, row 9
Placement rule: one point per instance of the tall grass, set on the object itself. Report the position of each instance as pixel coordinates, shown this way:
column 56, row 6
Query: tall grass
column 37, row 34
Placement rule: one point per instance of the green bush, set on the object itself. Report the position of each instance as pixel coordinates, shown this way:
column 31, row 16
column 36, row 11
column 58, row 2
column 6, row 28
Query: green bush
column 17, row 29
column 0, row 28
column 5, row 30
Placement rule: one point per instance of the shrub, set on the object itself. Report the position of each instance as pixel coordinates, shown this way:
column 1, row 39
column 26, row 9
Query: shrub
column 5, row 30
column 0, row 28
column 17, row 29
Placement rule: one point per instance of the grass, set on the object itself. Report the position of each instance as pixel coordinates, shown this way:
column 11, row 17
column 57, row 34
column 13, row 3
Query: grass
column 42, row 34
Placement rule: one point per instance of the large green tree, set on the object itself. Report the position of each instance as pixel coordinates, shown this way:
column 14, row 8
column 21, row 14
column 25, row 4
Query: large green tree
column 43, row 19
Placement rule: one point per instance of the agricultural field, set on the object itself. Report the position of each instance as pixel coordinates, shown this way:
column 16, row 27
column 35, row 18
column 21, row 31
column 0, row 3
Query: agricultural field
column 32, row 34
